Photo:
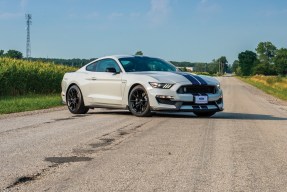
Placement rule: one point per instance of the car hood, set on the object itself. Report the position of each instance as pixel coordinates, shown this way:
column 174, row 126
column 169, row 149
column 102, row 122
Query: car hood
column 177, row 77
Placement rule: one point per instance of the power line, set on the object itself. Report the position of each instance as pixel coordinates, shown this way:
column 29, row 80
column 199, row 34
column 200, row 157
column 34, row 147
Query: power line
column 28, row 43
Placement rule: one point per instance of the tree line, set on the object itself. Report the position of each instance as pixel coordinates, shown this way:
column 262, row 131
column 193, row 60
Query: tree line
column 267, row 60
column 11, row 54
column 216, row 66
column 14, row 54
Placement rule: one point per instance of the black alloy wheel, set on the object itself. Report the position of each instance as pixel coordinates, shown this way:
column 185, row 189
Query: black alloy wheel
column 139, row 102
column 75, row 101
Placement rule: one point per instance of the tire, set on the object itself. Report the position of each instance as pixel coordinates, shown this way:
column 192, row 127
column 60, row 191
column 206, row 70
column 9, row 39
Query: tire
column 204, row 114
column 75, row 101
column 139, row 102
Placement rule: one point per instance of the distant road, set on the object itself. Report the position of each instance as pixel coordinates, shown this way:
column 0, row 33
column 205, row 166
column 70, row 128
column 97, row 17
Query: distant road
column 243, row 148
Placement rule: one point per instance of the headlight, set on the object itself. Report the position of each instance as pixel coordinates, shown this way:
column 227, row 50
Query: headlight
column 218, row 86
column 161, row 85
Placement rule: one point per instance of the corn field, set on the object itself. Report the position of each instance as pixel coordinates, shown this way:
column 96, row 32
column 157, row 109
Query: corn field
column 20, row 77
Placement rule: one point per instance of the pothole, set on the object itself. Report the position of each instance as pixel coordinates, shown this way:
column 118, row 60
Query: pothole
column 24, row 179
column 105, row 142
column 123, row 133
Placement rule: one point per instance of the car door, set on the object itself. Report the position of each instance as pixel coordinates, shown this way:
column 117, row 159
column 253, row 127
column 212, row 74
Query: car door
column 104, row 88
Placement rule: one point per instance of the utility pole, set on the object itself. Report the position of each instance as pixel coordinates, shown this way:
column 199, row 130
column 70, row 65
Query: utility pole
column 28, row 43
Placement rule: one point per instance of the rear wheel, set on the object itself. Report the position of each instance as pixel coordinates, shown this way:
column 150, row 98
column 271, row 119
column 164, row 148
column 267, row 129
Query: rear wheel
column 204, row 114
column 138, row 102
column 75, row 101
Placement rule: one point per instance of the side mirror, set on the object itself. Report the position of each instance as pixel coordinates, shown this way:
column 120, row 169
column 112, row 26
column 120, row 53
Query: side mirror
column 111, row 70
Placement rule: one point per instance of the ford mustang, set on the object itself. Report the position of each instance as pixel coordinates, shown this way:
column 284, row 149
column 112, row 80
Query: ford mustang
column 140, row 84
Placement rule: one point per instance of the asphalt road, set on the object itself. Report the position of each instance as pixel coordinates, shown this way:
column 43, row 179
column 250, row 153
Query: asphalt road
column 243, row 148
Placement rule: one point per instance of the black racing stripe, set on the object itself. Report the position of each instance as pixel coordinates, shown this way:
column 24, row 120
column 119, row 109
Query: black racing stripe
column 200, row 80
column 190, row 78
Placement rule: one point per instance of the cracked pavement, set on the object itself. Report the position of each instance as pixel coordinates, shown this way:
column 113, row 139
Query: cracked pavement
column 240, row 149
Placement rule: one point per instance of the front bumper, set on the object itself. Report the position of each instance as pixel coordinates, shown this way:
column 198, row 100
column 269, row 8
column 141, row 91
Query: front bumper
column 190, row 107
column 184, row 102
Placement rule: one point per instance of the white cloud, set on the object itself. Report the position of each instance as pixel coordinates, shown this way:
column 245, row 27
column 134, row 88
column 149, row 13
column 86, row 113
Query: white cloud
column 135, row 15
column 93, row 15
column 159, row 11
column 115, row 15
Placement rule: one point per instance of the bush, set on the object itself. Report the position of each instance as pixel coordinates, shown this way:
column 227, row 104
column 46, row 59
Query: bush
column 20, row 77
column 272, row 80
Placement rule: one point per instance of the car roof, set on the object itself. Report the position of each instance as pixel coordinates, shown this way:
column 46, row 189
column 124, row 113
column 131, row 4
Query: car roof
column 115, row 57
column 122, row 56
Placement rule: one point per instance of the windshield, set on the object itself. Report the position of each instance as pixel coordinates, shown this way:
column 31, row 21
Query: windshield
column 134, row 64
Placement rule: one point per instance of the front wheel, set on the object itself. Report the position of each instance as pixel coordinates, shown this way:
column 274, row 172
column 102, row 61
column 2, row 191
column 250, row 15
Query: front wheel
column 75, row 101
column 138, row 102
column 204, row 114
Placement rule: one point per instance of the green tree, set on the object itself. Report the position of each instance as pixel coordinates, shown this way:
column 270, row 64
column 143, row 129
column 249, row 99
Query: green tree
column 212, row 67
column 247, row 61
column 266, row 52
column 1, row 53
column 139, row 53
column 280, row 61
column 222, row 64
column 235, row 65
column 14, row 54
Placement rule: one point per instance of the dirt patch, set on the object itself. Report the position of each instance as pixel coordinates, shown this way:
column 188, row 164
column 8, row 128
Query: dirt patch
column 61, row 160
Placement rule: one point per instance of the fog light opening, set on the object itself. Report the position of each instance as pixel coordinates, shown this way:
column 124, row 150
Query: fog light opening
column 164, row 97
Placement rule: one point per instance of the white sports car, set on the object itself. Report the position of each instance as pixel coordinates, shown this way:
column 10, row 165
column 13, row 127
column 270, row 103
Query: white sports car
column 141, row 84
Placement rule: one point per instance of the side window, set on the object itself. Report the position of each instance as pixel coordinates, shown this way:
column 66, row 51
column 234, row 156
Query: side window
column 92, row 67
column 107, row 63
column 102, row 65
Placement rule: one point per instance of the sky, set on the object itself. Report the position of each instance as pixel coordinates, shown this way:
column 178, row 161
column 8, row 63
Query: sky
column 175, row 30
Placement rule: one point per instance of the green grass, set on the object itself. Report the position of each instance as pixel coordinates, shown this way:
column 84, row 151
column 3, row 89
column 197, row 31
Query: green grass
column 9, row 104
column 279, row 92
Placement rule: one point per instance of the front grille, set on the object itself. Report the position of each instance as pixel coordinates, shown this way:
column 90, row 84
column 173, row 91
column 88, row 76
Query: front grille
column 193, row 89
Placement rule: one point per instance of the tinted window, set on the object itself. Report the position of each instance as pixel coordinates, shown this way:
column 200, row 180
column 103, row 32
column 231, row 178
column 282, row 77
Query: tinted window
column 131, row 64
column 91, row 67
column 102, row 65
